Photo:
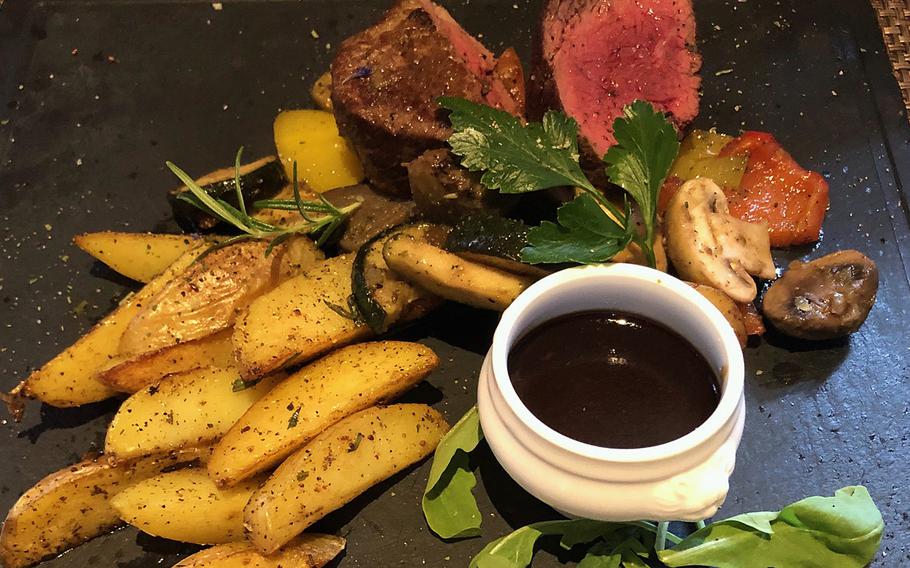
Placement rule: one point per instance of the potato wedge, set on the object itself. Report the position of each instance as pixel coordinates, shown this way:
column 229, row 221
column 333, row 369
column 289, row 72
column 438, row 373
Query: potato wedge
column 313, row 398
column 70, row 378
column 451, row 276
column 208, row 295
column 338, row 465
column 297, row 320
column 186, row 409
column 140, row 256
column 71, row 506
column 185, row 505
column 309, row 550
column 131, row 374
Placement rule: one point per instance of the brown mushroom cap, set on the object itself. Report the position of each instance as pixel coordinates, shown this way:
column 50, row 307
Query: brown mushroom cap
column 826, row 298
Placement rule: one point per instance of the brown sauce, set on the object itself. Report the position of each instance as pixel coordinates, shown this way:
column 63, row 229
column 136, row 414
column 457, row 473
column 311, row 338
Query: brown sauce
column 613, row 379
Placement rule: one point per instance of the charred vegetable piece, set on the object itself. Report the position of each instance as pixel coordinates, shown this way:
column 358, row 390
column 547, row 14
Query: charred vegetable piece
column 445, row 192
column 699, row 156
column 776, row 190
column 492, row 240
column 709, row 246
column 261, row 179
column 375, row 214
column 826, row 298
column 309, row 550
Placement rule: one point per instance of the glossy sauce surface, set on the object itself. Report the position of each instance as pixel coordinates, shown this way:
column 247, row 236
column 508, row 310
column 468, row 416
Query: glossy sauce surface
column 613, row 379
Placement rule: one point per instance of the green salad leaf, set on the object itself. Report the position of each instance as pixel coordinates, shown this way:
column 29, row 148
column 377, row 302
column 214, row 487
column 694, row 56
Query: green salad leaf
column 515, row 158
column 843, row 531
column 448, row 504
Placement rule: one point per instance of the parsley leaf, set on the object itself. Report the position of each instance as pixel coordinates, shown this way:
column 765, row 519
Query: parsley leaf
column 585, row 234
column 646, row 145
column 515, row 158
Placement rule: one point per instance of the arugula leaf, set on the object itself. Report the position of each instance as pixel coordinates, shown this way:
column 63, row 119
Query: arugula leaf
column 646, row 145
column 448, row 504
column 585, row 234
column 516, row 550
column 843, row 531
column 515, row 158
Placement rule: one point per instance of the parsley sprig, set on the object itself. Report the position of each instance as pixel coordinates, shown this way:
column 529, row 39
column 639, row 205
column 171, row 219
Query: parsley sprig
column 318, row 216
column 521, row 158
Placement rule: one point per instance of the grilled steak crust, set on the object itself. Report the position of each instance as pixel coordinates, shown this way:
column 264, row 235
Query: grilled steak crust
column 386, row 79
column 595, row 56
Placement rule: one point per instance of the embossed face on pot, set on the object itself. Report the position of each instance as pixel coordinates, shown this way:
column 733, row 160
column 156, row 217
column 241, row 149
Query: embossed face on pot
column 613, row 379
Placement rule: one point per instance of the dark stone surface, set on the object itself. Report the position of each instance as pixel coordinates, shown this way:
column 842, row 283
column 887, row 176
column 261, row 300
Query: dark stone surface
column 85, row 134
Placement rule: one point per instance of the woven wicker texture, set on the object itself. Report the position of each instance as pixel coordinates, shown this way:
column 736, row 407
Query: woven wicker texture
column 894, row 19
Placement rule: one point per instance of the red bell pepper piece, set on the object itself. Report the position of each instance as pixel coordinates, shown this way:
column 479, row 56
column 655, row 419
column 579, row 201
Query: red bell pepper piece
column 775, row 189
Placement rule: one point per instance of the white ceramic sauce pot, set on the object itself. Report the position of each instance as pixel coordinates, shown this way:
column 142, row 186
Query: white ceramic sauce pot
column 684, row 479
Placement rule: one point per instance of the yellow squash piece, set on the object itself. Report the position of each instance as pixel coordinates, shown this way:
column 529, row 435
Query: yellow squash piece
column 130, row 374
column 140, row 256
column 338, row 465
column 186, row 409
column 70, row 378
column 322, row 91
column 320, row 394
column 311, row 550
column 324, row 159
column 71, row 506
column 185, row 505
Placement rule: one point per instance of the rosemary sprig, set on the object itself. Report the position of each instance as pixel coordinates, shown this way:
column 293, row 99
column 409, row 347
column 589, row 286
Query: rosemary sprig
column 326, row 220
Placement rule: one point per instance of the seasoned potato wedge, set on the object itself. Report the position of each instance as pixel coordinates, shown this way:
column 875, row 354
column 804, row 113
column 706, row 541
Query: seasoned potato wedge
column 131, row 374
column 342, row 382
column 186, row 409
column 451, row 276
column 338, row 465
column 306, row 551
column 297, row 321
column 140, row 256
column 70, row 378
column 71, row 506
column 730, row 309
column 209, row 294
column 185, row 505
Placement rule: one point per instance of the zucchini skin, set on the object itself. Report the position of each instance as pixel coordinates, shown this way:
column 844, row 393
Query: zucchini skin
column 490, row 235
column 261, row 179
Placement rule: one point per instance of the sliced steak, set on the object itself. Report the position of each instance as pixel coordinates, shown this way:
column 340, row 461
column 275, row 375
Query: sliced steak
column 386, row 79
column 596, row 56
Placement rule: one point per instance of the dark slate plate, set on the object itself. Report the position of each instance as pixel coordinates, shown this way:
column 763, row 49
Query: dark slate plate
column 98, row 94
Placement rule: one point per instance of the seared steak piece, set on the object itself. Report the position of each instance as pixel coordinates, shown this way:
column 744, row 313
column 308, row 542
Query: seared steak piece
column 386, row 79
column 445, row 192
column 596, row 56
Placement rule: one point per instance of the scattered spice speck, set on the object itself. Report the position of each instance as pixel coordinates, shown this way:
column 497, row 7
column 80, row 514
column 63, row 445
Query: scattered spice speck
column 315, row 34
column 723, row 72
column 217, row 6
column 78, row 162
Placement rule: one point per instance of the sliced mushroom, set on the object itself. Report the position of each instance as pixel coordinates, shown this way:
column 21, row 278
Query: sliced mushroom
column 709, row 246
column 827, row 298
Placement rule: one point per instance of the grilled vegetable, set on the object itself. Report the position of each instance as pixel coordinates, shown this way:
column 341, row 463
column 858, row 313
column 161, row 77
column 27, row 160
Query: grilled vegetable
column 493, row 240
column 709, row 246
column 323, row 392
column 207, row 296
column 185, row 505
column 261, row 179
column 71, row 506
column 700, row 156
column 130, row 374
column 70, row 378
column 452, row 277
column 730, row 310
column 376, row 214
column 309, row 550
column 776, row 190
column 140, row 256
column 324, row 159
column 338, row 465
column 187, row 409
column 826, row 298
column 322, row 91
